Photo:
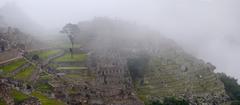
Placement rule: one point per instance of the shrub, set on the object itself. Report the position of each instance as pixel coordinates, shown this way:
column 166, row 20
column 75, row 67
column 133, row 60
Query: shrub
column 169, row 101
column 174, row 101
column 137, row 65
column 231, row 86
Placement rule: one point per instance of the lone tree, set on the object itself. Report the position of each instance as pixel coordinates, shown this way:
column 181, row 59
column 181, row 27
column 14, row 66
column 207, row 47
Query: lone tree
column 71, row 30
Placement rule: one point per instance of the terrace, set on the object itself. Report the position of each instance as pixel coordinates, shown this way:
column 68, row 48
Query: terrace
column 46, row 100
column 76, row 58
column 25, row 74
column 12, row 66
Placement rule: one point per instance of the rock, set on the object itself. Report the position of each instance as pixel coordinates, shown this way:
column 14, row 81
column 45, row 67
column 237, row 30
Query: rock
column 31, row 101
column 5, row 95
column 210, row 66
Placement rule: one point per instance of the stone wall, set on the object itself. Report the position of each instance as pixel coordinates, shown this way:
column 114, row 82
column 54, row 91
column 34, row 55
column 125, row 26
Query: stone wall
column 113, row 77
column 4, row 93
column 31, row 101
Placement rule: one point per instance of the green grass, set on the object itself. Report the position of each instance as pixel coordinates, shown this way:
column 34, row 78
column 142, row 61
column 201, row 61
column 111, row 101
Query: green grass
column 44, row 54
column 18, row 96
column 76, row 58
column 43, row 87
column 45, row 100
column 45, row 76
column 2, row 102
column 72, row 68
column 48, row 53
column 70, row 46
column 80, row 77
column 25, row 74
column 12, row 66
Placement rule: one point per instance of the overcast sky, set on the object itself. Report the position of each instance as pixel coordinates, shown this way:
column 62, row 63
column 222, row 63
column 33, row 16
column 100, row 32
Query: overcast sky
column 209, row 29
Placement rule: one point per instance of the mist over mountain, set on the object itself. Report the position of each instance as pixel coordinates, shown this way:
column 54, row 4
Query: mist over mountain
column 119, row 52
column 13, row 16
column 208, row 29
column 157, row 66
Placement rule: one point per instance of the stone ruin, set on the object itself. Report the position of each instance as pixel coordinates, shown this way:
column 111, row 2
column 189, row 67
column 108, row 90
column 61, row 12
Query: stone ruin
column 6, row 86
column 4, row 93
column 109, row 62
column 31, row 101
column 113, row 77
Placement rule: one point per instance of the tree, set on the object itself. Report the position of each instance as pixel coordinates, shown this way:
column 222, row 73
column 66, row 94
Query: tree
column 137, row 65
column 169, row 101
column 156, row 102
column 231, row 86
column 71, row 30
column 35, row 57
column 174, row 101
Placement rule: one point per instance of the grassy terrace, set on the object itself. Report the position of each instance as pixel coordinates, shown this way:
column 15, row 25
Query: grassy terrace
column 72, row 68
column 45, row 100
column 43, row 87
column 12, row 66
column 80, row 77
column 169, row 80
column 18, row 96
column 67, row 46
column 25, row 74
column 76, row 58
column 45, row 76
column 46, row 53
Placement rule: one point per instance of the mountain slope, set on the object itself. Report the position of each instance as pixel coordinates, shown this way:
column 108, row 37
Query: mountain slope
column 167, row 72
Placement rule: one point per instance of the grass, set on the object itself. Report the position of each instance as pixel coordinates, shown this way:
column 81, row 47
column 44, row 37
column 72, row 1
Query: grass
column 76, row 58
column 70, row 46
column 45, row 76
column 79, row 77
column 72, row 68
column 168, row 80
column 12, row 66
column 48, row 53
column 44, row 54
column 45, row 100
column 43, row 87
column 2, row 102
column 18, row 96
column 25, row 74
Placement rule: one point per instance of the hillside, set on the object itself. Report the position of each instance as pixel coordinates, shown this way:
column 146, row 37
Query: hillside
column 110, row 62
column 168, row 71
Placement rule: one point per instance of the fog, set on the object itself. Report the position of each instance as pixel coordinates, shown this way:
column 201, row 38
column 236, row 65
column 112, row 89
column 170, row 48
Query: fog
column 208, row 29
